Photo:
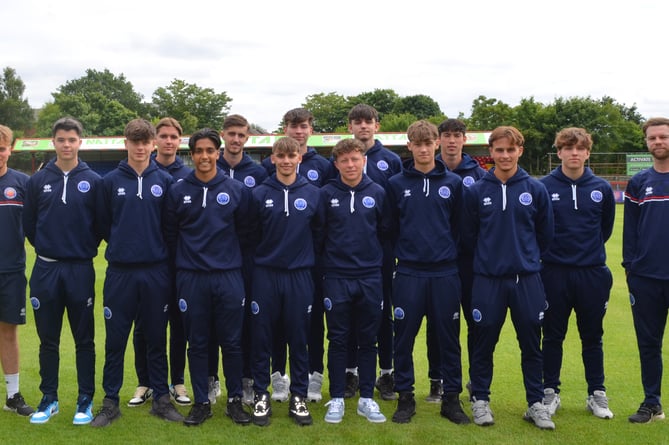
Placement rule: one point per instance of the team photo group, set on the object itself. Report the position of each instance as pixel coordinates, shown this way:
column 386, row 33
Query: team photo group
column 272, row 273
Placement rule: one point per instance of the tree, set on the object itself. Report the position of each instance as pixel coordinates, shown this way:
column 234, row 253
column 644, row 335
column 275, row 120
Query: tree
column 330, row 112
column 420, row 105
column 194, row 107
column 397, row 122
column 15, row 111
column 489, row 113
column 382, row 100
column 102, row 101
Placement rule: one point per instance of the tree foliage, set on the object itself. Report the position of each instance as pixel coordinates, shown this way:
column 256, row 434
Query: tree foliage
column 330, row 112
column 193, row 106
column 15, row 111
column 101, row 100
column 420, row 105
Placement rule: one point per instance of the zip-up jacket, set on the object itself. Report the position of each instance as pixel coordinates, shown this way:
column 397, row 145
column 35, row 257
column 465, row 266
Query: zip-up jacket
column 469, row 170
column 132, row 212
column 289, row 222
column 356, row 220
column 645, row 241
column 204, row 222
column 382, row 164
column 12, row 195
column 314, row 167
column 249, row 172
column 60, row 212
column 177, row 169
column 584, row 211
column 508, row 225
column 425, row 211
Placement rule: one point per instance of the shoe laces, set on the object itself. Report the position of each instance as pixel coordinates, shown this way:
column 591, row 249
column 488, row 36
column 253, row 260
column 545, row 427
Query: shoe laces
column 370, row 406
column 260, row 405
column 540, row 412
column 600, row 399
column 335, row 405
column 480, row 408
column 300, row 406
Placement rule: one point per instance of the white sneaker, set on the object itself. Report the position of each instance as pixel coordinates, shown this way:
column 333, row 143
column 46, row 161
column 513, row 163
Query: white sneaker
column 280, row 387
column 538, row 413
column 482, row 413
column 141, row 395
column 314, row 389
column 598, row 404
column 335, row 412
column 180, row 395
column 370, row 410
column 551, row 401
column 214, row 387
column 247, row 391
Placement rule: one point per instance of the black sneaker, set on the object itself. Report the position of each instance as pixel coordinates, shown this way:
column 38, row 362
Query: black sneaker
column 162, row 407
column 352, row 384
column 451, row 408
column 297, row 409
column 386, row 386
column 17, row 404
column 235, row 410
column 107, row 414
column 199, row 412
column 262, row 410
column 647, row 413
column 406, row 408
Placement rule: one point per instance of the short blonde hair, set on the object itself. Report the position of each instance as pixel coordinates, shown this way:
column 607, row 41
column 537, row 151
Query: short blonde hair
column 511, row 133
column 6, row 135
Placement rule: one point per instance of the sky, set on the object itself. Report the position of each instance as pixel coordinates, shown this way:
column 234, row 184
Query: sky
column 269, row 55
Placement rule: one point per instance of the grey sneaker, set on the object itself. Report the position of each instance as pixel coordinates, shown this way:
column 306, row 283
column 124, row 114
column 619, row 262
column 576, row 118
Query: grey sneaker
column 163, row 408
column 482, row 413
column 17, row 404
column 436, row 391
column 551, row 401
column 370, row 410
column 647, row 413
column 280, row 387
column 107, row 414
column 538, row 413
column 336, row 409
column 247, row 391
column 213, row 389
column 314, row 388
column 598, row 404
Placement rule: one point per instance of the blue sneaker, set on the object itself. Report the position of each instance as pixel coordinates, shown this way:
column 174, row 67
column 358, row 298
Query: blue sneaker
column 369, row 409
column 335, row 412
column 84, row 414
column 45, row 410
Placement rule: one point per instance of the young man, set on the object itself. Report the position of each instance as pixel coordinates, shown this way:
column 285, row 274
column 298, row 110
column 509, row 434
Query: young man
column 234, row 162
column 12, row 273
column 645, row 247
column 574, row 273
column 205, row 216
column 138, row 283
column 426, row 200
column 59, row 219
column 288, row 212
column 168, row 139
column 298, row 125
column 356, row 219
column 380, row 165
column 452, row 138
column 508, row 224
